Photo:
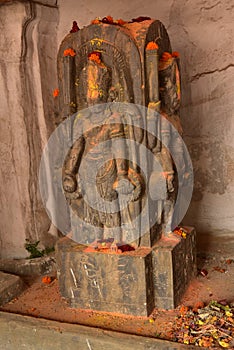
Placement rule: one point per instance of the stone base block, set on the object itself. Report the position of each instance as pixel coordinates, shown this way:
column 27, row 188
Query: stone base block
column 129, row 283
column 29, row 267
column 120, row 283
column 174, row 265
column 10, row 287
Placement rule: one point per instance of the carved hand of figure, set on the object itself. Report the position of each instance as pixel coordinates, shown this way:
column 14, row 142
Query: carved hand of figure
column 70, row 187
column 124, row 186
column 136, row 180
column 110, row 196
column 137, row 192
column 169, row 179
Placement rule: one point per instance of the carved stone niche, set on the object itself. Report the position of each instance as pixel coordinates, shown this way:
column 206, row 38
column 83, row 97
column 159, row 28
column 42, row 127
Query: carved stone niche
column 113, row 66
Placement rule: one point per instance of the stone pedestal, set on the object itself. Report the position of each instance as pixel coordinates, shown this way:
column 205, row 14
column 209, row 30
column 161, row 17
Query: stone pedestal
column 107, row 282
column 130, row 283
column 174, row 265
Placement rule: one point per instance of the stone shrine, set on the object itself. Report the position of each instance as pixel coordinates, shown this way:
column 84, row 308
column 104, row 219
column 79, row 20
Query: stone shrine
column 119, row 93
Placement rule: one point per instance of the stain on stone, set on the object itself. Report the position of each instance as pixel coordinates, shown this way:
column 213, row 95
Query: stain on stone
column 210, row 168
column 229, row 163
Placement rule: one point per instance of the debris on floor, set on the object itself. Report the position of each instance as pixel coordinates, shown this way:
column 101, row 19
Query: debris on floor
column 206, row 326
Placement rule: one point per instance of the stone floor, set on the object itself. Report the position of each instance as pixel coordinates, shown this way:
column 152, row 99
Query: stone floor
column 27, row 333
column 215, row 281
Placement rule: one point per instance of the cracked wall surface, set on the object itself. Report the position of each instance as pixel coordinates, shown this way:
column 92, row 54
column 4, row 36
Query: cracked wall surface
column 27, row 70
column 202, row 31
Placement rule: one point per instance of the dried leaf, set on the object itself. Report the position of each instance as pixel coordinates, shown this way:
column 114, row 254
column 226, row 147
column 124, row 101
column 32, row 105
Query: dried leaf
column 209, row 327
column 223, row 344
column 228, row 313
column 219, row 269
column 198, row 305
column 229, row 261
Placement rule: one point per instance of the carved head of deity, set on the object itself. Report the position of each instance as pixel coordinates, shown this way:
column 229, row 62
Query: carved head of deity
column 97, row 78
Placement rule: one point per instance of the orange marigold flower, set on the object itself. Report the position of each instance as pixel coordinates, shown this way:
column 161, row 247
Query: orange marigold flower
column 69, row 52
column 56, row 92
column 175, row 54
column 95, row 56
column 95, row 21
column 198, row 305
column 165, row 56
column 46, row 280
column 183, row 310
column 120, row 22
column 108, row 19
column 152, row 46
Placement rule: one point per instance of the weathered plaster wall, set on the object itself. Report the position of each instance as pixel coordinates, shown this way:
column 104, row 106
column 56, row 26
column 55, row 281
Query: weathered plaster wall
column 31, row 31
column 27, row 71
column 202, row 31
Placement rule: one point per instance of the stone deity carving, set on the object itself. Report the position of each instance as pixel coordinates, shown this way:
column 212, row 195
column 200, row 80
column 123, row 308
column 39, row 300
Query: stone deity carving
column 104, row 173
column 128, row 63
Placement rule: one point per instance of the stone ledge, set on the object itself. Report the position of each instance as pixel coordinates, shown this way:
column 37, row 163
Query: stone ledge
column 10, row 287
column 27, row 333
column 29, row 267
column 52, row 3
column 174, row 263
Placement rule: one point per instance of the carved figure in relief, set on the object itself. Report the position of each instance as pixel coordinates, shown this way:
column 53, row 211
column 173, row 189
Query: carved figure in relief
column 170, row 131
column 101, row 150
column 168, row 128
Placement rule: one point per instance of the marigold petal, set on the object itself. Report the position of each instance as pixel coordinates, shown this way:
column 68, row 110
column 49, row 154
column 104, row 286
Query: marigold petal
column 152, row 46
column 165, row 56
column 175, row 54
column 56, row 92
column 95, row 21
column 108, row 19
column 121, row 22
column 46, row 280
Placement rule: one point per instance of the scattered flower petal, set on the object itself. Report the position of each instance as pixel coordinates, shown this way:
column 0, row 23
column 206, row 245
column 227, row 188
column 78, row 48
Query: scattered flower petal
column 107, row 19
column 141, row 19
column 46, row 279
column 75, row 27
column 229, row 261
column 175, row 54
column 219, row 269
column 165, row 56
column 96, row 21
column 56, row 92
